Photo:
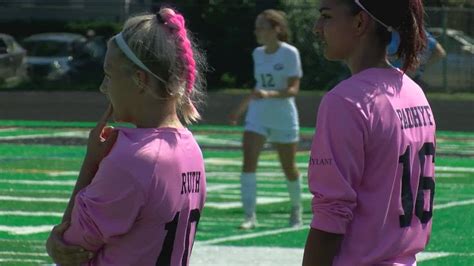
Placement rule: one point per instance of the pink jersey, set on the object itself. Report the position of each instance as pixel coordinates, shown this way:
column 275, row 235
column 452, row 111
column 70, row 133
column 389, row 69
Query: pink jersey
column 371, row 169
column 144, row 203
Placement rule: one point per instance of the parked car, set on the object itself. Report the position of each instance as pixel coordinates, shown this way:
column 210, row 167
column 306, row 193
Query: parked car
column 12, row 60
column 459, row 58
column 64, row 57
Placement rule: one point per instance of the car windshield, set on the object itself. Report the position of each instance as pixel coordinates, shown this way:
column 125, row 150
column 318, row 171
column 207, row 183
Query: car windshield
column 47, row 48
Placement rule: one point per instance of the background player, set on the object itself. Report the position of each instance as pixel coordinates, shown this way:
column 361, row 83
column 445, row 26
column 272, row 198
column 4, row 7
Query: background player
column 371, row 169
column 272, row 113
column 140, row 204
column 432, row 53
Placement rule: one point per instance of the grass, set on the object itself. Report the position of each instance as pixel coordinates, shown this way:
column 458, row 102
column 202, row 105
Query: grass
column 42, row 176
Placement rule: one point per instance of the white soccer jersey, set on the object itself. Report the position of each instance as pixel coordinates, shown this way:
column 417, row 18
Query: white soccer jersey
column 271, row 72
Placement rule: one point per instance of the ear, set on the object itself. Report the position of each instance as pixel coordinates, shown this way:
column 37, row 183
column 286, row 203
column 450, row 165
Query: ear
column 362, row 23
column 142, row 80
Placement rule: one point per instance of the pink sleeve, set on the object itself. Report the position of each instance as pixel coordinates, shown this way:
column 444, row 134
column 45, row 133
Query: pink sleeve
column 106, row 208
column 336, row 163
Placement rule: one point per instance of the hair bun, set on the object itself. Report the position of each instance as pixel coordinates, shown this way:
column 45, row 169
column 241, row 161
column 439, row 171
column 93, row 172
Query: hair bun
column 165, row 13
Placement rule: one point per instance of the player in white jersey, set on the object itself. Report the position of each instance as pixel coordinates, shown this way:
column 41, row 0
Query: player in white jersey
column 141, row 190
column 272, row 115
column 371, row 169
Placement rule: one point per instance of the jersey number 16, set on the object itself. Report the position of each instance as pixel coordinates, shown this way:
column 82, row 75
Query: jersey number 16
column 425, row 183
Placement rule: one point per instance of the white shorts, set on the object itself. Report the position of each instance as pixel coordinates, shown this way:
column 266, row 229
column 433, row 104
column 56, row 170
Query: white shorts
column 275, row 135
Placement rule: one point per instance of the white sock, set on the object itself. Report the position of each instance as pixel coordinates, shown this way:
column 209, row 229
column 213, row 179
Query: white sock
column 248, row 190
column 294, row 189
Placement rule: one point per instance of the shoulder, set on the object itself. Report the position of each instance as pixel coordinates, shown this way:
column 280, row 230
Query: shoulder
column 356, row 93
column 289, row 49
column 134, row 152
column 258, row 50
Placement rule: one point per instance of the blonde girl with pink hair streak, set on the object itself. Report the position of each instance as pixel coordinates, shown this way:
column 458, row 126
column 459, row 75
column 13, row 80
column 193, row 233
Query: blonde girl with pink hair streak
column 140, row 192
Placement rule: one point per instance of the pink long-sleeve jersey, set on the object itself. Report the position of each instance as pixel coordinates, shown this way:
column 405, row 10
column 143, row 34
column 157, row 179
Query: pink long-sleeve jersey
column 144, row 204
column 371, row 169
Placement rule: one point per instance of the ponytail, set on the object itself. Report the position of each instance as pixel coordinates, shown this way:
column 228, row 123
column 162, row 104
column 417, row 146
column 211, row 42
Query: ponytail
column 412, row 35
column 185, row 51
column 403, row 17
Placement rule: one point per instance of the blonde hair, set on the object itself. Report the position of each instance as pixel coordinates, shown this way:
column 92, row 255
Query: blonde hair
column 164, row 45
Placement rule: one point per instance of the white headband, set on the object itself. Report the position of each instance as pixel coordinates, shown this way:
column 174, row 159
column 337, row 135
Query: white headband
column 129, row 53
column 389, row 28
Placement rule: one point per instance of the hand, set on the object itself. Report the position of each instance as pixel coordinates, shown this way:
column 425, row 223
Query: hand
column 233, row 118
column 101, row 140
column 64, row 254
column 261, row 94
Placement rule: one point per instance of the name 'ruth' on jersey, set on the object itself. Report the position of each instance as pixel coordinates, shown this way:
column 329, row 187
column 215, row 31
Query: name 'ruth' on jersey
column 190, row 182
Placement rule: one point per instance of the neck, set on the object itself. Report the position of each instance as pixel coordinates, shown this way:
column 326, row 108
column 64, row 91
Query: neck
column 367, row 56
column 272, row 47
column 157, row 114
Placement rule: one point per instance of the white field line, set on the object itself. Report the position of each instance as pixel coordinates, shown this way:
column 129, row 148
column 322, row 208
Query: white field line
column 36, row 191
column 25, row 230
column 22, row 260
column 439, row 174
column 11, row 253
column 454, row 169
column 31, row 199
column 424, row 256
column 23, row 241
column 212, row 188
column 8, row 129
column 41, row 171
column 78, row 134
column 260, row 201
column 39, row 182
column 209, row 139
column 453, row 204
column 251, row 235
column 31, row 214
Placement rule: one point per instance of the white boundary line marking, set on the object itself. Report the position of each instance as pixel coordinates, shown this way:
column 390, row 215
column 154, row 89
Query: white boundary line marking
column 25, row 230
column 32, row 200
column 79, row 134
column 251, row 235
column 33, row 214
column 12, row 253
column 453, row 204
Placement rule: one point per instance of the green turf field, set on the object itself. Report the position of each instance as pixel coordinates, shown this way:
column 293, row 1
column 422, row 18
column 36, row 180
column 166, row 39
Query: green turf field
column 39, row 163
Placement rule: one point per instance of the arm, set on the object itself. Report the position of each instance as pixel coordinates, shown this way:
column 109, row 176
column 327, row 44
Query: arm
column 107, row 208
column 101, row 141
column 237, row 113
column 437, row 55
column 336, row 166
column 321, row 248
column 87, row 173
column 291, row 91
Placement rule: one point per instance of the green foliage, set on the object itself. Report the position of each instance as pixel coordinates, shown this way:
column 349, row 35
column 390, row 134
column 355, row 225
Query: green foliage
column 224, row 30
column 319, row 73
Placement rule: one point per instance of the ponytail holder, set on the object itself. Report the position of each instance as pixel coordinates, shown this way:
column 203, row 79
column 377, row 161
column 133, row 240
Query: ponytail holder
column 160, row 18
